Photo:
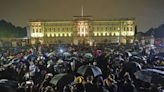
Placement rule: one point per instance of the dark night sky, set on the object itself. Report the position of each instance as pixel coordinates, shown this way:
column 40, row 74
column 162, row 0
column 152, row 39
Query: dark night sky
column 148, row 13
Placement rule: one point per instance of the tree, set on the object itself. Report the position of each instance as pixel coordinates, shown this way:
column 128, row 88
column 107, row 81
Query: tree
column 8, row 30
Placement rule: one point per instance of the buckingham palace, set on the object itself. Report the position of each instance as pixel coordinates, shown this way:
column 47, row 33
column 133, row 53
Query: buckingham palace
column 82, row 30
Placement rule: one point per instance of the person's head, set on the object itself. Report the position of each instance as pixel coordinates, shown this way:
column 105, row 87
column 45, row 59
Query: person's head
column 29, row 83
column 111, row 79
column 48, row 76
column 128, row 80
column 89, row 78
column 31, row 63
column 112, row 76
column 127, row 76
column 49, row 89
column 99, row 81
column 79, row 79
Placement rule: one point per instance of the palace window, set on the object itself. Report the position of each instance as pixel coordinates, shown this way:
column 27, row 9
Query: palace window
column 106, row 28
column 36, row 30
column 101, row 28
column 114, row 28
column 104, row 34
column 48, row 35
column 50, row 29
column 117, row 34
column 127, row 28
column 107, row 34
column 112, row 34
column 69, row 34
column 61, row 34
column 65, row 34
column 118, row 28
column 110, row 28
column 97, row 28
column 131, row 29
column 45, row 29
column 52, row 35
column 58, row 29
column 95, row 34
column 124, row 29
column 40, row 30
column 57, row 35
column 33, row 30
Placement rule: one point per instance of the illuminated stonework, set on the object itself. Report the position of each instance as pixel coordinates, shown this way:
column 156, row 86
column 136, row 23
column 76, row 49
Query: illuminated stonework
column 82, row 30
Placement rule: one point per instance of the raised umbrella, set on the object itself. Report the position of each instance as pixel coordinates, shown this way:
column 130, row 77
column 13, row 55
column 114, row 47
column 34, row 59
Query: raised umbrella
column 89, row 70
column 88, row 56
column 62, row 79
column 150, row 76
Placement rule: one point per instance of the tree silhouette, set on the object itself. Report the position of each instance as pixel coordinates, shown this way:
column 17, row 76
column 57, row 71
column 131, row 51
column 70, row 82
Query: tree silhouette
column 8, row 30
column 156, row 32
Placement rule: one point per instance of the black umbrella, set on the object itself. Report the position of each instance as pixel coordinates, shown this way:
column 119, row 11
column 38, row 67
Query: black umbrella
column 89, row 70
column 62, row 79
column 8, row 85
column 158, row 68
column 150, row 76
column 128, row 54
column 132, row 67
column 5, row 88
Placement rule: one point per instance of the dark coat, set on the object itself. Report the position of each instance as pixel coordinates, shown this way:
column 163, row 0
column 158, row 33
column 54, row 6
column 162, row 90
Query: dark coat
column 129, row 87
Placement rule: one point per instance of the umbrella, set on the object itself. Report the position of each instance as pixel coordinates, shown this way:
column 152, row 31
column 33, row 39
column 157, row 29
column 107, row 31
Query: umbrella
column 161, row 58
column 88, row 56
column 11, row 83
column 89, row 70
column 132, row 67
column 135, row 58
column 128, row 54
column 8, row 85
column 66, row 54
column 134, row 53
column 56, row 78
column 15, row 61
column 160, row 54
column 30, row 56
column 62, row 79
column 150, row 76
column 51, row 54
column 158, row 68
column 10, row 57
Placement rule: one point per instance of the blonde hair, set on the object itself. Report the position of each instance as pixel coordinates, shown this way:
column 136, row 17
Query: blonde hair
column 79, row 79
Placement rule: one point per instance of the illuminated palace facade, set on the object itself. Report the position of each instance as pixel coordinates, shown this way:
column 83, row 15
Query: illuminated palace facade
column 82, row 30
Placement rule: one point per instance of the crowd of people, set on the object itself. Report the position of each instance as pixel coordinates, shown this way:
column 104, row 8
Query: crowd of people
column 66, row 68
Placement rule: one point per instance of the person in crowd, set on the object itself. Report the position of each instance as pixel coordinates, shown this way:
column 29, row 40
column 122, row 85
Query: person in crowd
column 89, row 84
column 34, row 73
column 110, row 83
column 46, row 82
column 128, row 85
